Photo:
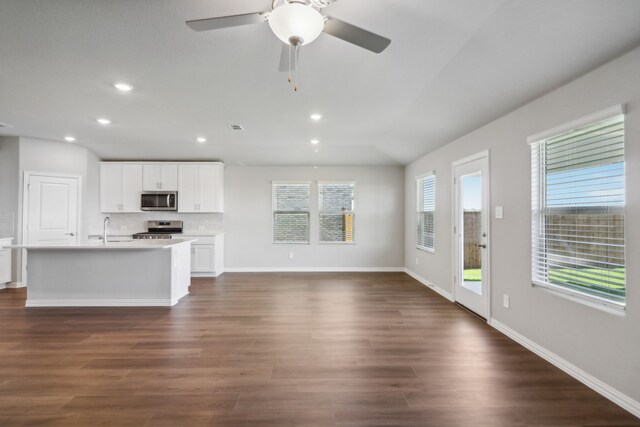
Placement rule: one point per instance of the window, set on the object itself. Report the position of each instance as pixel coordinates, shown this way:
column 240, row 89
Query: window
column 426, row 207
column 336, row 206
column 290, row 212
column 578, row 199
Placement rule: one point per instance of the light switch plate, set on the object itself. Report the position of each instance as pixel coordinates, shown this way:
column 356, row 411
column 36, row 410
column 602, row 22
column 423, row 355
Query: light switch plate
column 505, row 300
column 499, row 212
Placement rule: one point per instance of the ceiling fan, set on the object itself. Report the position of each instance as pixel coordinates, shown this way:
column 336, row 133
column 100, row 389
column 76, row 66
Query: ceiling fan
column 297, row 23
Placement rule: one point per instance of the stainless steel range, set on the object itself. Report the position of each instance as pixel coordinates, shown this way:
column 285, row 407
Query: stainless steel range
column 160, row 230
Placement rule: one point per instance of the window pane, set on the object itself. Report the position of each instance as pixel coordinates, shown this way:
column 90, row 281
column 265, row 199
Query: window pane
column 578, row 221
column 291, row 213
column 336, row 203
column 426, row 206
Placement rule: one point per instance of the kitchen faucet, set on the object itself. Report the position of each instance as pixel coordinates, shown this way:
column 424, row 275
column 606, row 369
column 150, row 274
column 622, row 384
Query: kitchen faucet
column 106, row 223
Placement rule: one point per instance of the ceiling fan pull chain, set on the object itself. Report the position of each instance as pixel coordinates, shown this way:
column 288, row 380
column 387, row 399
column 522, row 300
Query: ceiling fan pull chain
column 295, row 67
column 290, row 63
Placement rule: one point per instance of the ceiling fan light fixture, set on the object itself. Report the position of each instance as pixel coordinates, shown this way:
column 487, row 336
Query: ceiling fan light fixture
column 296, row 21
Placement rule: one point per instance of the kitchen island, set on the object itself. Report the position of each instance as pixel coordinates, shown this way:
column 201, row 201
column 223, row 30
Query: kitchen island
column 116, row 274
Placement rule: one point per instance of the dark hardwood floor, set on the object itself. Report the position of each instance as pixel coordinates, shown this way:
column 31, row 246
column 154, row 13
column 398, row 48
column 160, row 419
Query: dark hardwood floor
column 322, row 349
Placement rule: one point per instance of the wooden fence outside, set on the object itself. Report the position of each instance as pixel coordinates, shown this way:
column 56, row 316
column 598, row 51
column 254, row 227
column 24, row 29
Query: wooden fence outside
column 472, row 236
column 593, row 233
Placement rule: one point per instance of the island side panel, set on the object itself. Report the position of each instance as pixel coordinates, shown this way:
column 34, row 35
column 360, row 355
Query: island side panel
column 104, row 277
column 181, row 274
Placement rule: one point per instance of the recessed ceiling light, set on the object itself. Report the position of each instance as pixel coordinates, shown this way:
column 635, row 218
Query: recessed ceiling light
column 70, row 138
column 315, row 116
column 123, row 87
column 103, row 121
column 315, row 141
column 201, row 139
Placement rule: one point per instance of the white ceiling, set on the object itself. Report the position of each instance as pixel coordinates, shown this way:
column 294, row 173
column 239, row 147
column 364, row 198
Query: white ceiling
column 452, row 66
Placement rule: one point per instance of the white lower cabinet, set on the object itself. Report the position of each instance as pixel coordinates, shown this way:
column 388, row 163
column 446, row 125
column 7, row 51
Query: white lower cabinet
column 5, row 263
column 203, row 258
column 207, row 255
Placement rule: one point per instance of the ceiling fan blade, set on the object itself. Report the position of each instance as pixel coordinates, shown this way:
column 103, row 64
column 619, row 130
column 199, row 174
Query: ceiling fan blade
column 285, row 64
column 355, row 35
column 227, row 21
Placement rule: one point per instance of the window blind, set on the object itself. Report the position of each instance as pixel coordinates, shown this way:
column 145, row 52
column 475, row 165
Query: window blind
column 426, row 206
column 336, row 206
column 290, row 212
column 578, row 198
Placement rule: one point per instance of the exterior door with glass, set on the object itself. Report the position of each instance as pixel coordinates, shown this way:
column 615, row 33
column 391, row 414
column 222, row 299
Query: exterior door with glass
column 471, row 233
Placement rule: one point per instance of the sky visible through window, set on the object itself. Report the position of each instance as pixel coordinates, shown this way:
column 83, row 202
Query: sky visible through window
column 594, row 186
column 472, row 192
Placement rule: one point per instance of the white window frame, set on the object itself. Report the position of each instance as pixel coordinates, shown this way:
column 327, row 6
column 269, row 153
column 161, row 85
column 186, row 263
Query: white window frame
column 534, row 141
column 353, row 211
column 418, row 180
column 273, row 210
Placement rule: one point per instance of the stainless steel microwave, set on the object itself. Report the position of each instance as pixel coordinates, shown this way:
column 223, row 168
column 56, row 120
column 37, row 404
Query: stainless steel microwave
column 159, row 201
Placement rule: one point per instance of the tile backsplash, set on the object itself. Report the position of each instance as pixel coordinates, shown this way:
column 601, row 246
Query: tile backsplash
column 137, row 222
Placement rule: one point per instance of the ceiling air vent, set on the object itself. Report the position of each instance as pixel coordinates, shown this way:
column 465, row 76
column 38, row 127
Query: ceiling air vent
column 235, row 127
column 5, row 125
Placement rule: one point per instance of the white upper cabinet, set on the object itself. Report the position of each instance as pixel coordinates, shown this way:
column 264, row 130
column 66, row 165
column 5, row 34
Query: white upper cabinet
column 120, row 187
column 211, row 187
column 188, row 188
column 200, row 187
column 160, row 177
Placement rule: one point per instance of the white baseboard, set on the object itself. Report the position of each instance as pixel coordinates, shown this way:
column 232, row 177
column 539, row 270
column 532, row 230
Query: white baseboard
column 313, row 269
column 207, row 274
column 161, row 302
column 15, row 285
column 429, row 285
column 587, row 379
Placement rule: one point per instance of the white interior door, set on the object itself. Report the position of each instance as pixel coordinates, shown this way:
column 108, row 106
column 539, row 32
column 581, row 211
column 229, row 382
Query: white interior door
column 471, row 233
column 52, row 210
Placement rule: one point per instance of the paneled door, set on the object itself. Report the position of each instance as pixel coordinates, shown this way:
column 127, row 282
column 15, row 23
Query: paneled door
column 52, row 210
column 471, row 233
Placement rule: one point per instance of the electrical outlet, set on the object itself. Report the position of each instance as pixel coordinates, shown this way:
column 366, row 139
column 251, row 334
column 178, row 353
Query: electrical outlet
column 123, row 227
column 417, row 260
column 505, row 300
column 499, row 212
column 201, row 227
column 291, row 255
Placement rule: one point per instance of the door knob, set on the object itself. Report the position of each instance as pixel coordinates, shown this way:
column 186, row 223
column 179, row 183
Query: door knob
column 482, row 246
column 71, row 234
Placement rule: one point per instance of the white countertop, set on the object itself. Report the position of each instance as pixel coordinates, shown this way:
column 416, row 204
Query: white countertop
column 126, row 244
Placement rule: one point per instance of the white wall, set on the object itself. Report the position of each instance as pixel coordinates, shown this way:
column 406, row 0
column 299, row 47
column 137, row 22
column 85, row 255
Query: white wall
column 605, row 345
column 9, row 176
column 9, row 159
column 37, row 155
column 379, row 219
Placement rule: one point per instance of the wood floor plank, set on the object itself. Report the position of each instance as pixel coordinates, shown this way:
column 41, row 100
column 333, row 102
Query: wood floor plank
column 281, row 349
